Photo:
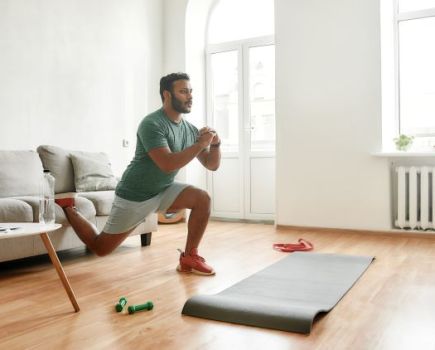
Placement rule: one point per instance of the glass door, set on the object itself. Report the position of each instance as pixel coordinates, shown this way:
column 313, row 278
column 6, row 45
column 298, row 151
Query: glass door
column 260, row 135
column 225, row 185
column 241, row 106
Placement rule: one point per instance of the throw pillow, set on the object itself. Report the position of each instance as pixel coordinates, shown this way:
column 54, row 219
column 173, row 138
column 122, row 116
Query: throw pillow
column 20, row 173
column 58, row 161
column 92, row 172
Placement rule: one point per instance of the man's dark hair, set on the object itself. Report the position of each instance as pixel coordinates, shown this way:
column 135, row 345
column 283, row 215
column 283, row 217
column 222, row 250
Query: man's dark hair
column 167, row 81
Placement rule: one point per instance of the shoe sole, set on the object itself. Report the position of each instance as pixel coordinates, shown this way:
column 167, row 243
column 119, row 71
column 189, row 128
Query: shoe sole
column 65, row 199
column 195, row 272
column 65, row 202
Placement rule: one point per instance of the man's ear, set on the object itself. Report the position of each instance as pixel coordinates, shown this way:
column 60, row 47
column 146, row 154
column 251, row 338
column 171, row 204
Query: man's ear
column 166, row 95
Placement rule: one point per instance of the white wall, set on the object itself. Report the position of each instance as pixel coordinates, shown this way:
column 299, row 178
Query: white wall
column 174, row 36
column 328, row 107
column 78, row 74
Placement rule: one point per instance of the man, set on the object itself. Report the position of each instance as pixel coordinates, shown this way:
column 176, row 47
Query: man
column 166, row 142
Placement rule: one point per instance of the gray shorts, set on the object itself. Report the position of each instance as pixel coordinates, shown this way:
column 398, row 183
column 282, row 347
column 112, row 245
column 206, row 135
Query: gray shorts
column 126, row 214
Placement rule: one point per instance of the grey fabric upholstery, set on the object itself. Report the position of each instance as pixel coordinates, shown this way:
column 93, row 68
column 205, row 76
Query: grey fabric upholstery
column 102, row 200
column 33, row 202
column 85, row 207
column 58, row 161
column 14, row 210
column 92, row 172
column 20, row 173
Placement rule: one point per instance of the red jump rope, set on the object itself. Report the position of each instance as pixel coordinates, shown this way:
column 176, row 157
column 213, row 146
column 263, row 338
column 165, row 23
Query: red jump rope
column 303, row 245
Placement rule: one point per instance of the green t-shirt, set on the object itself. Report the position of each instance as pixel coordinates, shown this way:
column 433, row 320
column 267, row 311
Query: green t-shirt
column 143, row 179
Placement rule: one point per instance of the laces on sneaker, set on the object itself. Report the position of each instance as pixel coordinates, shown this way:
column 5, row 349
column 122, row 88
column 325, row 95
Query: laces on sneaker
column 194, row 255
column 197, row 257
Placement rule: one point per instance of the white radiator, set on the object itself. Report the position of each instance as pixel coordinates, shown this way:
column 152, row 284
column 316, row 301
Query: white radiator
column 415, row 195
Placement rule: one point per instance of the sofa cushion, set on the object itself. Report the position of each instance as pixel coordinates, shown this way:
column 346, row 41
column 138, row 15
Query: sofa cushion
column 102, row 200
column 92, row 172
column 14, row 210
column 33, row 201
column 58, row 161
column 83, row 205
column 20, row 173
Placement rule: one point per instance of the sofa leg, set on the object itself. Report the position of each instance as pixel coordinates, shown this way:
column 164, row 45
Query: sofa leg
column 145, row 239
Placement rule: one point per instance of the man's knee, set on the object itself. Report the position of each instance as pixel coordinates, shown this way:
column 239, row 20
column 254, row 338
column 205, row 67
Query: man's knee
column 191, row 198
column 203, row 199
column 102, row 250
column 105, row 243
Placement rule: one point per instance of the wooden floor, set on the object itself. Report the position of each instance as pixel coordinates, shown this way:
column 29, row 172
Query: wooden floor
column 391, row 307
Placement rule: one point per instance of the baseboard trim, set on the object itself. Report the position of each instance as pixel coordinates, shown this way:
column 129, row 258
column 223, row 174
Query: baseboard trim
column 390, row 233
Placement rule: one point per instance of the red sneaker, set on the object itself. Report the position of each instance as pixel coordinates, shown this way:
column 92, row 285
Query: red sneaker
column 65, row 200
column 193, row 263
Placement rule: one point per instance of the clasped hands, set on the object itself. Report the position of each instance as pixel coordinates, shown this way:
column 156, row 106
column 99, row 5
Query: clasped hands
column 208, row 137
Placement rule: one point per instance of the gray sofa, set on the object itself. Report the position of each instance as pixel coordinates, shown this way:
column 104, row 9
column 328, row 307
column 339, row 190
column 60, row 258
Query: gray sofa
column 86, row 174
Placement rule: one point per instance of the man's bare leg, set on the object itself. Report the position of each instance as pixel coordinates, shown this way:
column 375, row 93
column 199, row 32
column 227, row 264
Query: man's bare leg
column 101, row 244
column 199, row 202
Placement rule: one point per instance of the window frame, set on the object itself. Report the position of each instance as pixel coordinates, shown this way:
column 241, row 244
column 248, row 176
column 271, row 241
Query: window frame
column 241, row 46
column 399, row 17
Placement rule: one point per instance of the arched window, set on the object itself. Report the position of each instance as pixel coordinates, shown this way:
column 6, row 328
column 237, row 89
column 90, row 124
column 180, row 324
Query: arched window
column 233, row 20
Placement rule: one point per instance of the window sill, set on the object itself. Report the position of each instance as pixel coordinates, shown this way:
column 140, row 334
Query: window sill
column 403, row 154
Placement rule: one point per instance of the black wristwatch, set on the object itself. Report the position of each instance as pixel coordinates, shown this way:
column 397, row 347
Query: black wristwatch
column 216, row 145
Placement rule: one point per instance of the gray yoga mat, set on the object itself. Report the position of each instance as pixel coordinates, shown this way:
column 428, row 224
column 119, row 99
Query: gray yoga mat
column 286, row 295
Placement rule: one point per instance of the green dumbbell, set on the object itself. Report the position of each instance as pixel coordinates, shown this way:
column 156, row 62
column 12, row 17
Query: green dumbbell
column 134, row 308
column 120, row 306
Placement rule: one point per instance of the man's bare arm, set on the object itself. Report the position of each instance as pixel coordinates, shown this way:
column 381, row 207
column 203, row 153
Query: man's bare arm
column 168, row 161
column 211, row 158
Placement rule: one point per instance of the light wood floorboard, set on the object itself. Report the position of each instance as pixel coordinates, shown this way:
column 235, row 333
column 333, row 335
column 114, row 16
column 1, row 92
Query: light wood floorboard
column 392, row 306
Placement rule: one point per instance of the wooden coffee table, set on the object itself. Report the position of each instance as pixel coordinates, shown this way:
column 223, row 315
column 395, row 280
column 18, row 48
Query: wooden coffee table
column 21, row 229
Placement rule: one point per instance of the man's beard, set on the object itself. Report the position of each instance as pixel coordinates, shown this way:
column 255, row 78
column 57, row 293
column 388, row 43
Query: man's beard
column 178, row 105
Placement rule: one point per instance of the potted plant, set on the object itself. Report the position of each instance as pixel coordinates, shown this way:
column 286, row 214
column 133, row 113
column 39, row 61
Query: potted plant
column 403, row 142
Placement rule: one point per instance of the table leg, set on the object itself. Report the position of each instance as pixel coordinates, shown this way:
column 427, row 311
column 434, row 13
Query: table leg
column 58, row 266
